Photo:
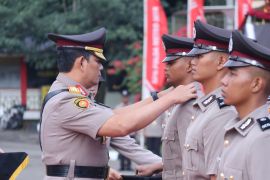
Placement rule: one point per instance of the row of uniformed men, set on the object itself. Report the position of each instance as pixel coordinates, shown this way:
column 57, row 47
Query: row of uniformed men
column 75, row 130
column 223, row 133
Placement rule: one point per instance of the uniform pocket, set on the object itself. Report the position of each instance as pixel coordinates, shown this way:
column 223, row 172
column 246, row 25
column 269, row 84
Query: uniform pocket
column 231, row 174
column 170, row 146
column 192, row 156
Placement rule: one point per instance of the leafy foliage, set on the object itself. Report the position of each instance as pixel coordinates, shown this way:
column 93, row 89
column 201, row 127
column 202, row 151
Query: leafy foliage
column 25, row 24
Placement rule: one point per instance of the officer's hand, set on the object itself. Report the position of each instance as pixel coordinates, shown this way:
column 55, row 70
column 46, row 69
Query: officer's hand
column 1, row 150
column 183, row 93
column 114, row 175
column 149, row 169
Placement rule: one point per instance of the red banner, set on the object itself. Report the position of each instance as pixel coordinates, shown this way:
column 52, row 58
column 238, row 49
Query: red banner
column 242, row 7
column 155, row 25
column 195, row 11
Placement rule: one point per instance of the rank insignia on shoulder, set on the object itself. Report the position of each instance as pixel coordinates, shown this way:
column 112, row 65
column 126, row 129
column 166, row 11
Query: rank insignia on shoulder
column 209, row 100
column 264, row 123
column 82, row 102
column 246, row 124
column 221, row 102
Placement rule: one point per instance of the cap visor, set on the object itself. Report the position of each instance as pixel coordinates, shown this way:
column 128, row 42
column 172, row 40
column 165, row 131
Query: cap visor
column 197, row 51
column 233, row 63
column 170, row 58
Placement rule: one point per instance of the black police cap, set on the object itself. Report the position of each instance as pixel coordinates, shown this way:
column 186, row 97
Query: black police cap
column 209, row 38
column 93, row 41
column 176, row 47
column 247, row 52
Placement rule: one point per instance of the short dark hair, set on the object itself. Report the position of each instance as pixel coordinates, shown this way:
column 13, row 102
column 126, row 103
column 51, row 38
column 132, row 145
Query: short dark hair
column 266, row 76
column 67, row 56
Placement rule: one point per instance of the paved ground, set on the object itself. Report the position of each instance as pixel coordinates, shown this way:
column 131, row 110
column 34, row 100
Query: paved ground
column 22, row 140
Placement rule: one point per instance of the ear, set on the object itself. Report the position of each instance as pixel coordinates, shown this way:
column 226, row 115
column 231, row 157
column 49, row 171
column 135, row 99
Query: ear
column 257, row 84
column 78, row 62
column 81, row 62
column 222, row 58
column 189, row 67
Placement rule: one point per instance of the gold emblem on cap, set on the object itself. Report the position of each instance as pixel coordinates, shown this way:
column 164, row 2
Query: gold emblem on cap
column 88, row 48
column 97, row 51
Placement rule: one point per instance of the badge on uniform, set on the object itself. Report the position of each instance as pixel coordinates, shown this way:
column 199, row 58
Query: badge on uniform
column 246, row 124
column 82, row 102
column 77, row 90
column 264, row 123
column 221, row 103
column 209, row 100
column 74, row 90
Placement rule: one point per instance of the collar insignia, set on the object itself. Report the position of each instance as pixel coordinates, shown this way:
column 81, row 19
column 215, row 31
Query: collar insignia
column 264, row 123
column 82, row 91
column 221, row 102
column 209, row 100
column 74, row 90
column 246, row 124
column 77, row 90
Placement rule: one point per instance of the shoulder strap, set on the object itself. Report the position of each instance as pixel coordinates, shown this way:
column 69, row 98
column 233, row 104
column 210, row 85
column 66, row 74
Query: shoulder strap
column 46, row 99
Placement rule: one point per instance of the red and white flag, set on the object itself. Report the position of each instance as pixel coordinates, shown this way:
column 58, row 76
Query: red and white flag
column 242, row 7
column 155, row 25
column 195, row 12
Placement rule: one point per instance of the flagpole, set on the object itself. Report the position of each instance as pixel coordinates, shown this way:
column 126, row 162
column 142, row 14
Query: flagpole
column 188, row 19
column 236, row 15
column 144, row 64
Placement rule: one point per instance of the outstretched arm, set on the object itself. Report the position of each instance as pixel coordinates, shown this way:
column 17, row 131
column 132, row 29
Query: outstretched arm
column 122, row 124
column 128, row 147
column 141, row 103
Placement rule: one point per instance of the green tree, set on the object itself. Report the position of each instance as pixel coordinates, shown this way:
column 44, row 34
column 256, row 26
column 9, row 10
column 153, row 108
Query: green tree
column 25, row 24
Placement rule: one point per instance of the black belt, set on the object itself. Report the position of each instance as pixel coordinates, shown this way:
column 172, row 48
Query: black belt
column 135, row 177
column 79, row 171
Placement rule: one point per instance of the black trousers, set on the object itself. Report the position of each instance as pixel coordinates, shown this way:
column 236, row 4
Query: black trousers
column 153, row 144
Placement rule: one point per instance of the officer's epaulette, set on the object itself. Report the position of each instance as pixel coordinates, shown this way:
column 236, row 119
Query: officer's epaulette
column 101, row 104
column 221, row 102
column 264, row 123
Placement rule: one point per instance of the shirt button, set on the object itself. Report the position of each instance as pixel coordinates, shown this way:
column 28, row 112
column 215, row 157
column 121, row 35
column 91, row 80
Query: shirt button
column 226, row 142
column 192, row 117
column 186, row 146
column 222, row 175
column 166, row 138
column 183, row 173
